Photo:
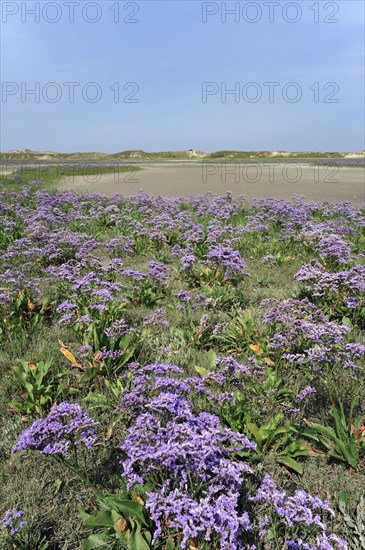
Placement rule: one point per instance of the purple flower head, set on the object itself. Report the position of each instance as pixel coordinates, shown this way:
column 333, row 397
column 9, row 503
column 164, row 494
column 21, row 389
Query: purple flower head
column 134, row 274
column 156, row 319
column 84, row 319
column 65, row 426
column 158, row 271
column 225, row 256
column 183, row 296
column 66, row 306
column 13, row 521
column 305, row 393
column 83, row 351
column 183, row 445
column 205, row 518
column 301, row 508
column 117, row 329
column 187, row 261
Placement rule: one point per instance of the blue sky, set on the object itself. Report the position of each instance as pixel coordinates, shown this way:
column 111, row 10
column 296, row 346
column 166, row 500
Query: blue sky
column 169, row 54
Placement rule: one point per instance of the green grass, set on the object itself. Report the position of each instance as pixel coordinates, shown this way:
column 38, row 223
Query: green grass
column 53, row 175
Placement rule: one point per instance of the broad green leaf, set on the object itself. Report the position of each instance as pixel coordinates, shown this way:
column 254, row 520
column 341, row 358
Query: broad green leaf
column 201, row 371
column 127, row 508
column 212, row 357
column 353, row 460
column 101, row 518
column 278, row 431
column 91, row 373
column 96, row 541
column 341, row 428
column 343, row 498
column 290, row 463
column 256, row 432
column 347, row 322
column 137, row 541
column 328, row 432
column 297, row 447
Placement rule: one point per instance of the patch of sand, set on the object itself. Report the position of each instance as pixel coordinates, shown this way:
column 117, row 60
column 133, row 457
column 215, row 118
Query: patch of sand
column 278, row 181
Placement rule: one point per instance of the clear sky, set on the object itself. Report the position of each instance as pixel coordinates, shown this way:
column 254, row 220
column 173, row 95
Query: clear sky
column 159, row 57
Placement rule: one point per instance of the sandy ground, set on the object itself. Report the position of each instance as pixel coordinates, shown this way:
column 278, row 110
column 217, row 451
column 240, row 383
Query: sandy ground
column 6, row 171
column 255, row 180
column 278, row 181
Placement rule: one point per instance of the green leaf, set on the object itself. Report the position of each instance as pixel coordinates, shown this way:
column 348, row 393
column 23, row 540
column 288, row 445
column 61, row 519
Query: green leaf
column 290, row 463
column 57, row 486
column 127, row 356
column 340, row 423
column 256, row 432
column 328, row 432
column 101, row 518
column 91, row 373
column 201, row 371
column 326, row 443
column 343, row 499
column 297, row 448
column 137, row 541
column 352, row 460
column 212, row 356
column 347, row 322
column 127, row 508
column 96, row 541
column 353, row 447
column 278, row 431
column 30, row 388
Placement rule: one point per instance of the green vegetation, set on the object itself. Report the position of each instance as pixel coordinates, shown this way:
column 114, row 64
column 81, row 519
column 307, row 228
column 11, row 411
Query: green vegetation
column 101, row 296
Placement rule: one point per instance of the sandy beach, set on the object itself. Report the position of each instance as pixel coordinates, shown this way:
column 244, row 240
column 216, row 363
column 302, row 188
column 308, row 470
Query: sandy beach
column 279, row 181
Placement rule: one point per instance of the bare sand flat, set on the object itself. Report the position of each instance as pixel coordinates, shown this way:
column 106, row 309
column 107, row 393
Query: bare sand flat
column 278, row 181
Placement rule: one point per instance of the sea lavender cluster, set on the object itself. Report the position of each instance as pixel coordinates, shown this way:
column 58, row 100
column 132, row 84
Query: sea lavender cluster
column 65, row 428
column 224, row 256
column 299, row 509
column 346, row 287
column 331, row 246
column 229, row 372
column 304, row 394
column 190, row 458
column 158, row 271
column 199, row 519
column 150, row 380
column 303, row 336
column 13, row 521
column 188, row 454
column 117, row 329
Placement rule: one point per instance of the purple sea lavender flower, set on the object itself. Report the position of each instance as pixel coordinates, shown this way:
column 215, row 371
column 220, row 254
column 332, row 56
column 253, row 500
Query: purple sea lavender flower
column 84, row 319
column 224, row 255
column 156, row 319
column 158, row 271
column 83, row 351
column 296, row 509
column 134, row 274
column 187, row 261
column 183, row 446
column 183, row 296
column 66, row 306
column 206, row 518
column 65, row 426
column 305, row 393
column 13, row 521
column 67, row 318
column 117, row 329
